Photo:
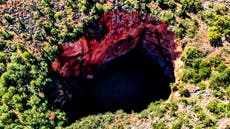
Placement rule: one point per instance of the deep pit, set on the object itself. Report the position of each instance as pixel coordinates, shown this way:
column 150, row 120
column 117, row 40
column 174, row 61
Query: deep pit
column 128, row 67
column 130, row 82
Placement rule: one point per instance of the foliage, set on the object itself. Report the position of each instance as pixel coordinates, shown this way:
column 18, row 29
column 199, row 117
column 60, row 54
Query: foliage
column 219, row 23
column 3, row 1
column 5, row 34
column 184, row 92
column 191, row 53
column 180, row 11
column 214, row 36
column 29, row 39
column 166, row 3
column 169, row 17
column 201, row 85
column 21, row 86
column 191, row 5
column 196, row 68
column 8, row 18
column 159, row 125
column 220, row 79
column 94, row 121
column 218, row 108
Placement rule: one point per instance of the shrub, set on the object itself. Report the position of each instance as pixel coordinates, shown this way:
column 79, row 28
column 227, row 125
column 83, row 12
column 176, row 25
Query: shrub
column 177, row 125
column 180, row 12
column 179, row 30
column 228, row 92
column 2, row 57
column 214, row 36
column 47, row 26
column 209, row 122
column 2, row 44
column 166, row 3
column 228, row 109
column 169, row 17
column 3, row 1
column 172, row 107
column 218, row 79
column 2, row 68
column 204, row 69
column 222, row 22
column 221, row 9
column 207, row 16
column 39, row 35
column 57, row 15
column 8, row 18
column 6, row 35
column 201, row 116
column 184, row 92
column 118, row 126
column 221, row 67
column 191, row 5
column 190, row 75
column 197, row 127
column 155, row 109
column 215, row 61
column 219, row 93
column 201, row 85
column 159, row 125
column 197, row 109
column 216, row 107
column 190, row 54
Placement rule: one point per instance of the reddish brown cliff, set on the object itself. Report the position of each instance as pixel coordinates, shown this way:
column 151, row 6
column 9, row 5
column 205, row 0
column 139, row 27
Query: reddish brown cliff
column 124, row 31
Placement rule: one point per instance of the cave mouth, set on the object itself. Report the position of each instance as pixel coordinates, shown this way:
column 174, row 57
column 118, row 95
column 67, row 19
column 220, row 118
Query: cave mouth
column 130, row 82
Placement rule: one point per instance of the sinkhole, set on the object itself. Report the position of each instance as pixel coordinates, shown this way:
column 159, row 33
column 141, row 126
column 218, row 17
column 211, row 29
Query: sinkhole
column 130, row 82
column 124, row 60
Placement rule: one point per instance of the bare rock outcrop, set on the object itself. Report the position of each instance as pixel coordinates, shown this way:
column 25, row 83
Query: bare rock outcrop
column 113, row 35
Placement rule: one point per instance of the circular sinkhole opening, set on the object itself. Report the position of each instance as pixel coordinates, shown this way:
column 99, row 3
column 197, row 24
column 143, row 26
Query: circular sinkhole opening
column 130, row 82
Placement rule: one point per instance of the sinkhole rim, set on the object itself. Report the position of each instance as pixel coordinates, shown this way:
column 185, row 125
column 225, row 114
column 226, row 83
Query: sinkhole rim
column 74, row 118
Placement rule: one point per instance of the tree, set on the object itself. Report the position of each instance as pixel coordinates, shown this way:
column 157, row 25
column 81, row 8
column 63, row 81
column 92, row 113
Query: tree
column 166, row 3
column 218, row 79
column 216, row 107
column 204, row 69
column 3, row 1
column 190, row 75
column 2, row 68
column 190, row 54
column 214, row 36
column 169, row 17
column 2, row 57
column 58, row 15
column 6, row 35
column 8, row 18
column 191, row 5
column 3, row 44
column 181, row 12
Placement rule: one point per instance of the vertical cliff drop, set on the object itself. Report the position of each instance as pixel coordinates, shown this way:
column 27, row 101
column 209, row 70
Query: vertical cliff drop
column 123, row 59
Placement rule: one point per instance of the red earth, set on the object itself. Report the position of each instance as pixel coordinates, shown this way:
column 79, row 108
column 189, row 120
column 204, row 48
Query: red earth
column 124, row 31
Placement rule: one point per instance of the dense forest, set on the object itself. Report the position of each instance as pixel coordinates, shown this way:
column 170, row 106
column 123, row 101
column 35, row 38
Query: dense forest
column 31, row 32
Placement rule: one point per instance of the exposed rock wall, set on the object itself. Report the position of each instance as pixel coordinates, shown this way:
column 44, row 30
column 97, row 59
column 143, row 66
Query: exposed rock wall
column 124, row 31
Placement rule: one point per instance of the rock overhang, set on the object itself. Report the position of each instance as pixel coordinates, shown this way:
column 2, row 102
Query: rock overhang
column 113, row 35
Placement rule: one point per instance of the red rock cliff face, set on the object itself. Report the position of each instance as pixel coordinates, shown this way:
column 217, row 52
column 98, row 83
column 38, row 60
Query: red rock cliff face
column 124, row 32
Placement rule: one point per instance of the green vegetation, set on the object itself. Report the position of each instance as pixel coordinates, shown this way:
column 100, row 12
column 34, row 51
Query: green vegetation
column 219, row 23
column 196, row 67
column 31, row 32
column 3, row 1
column 218, row 108
column 191, row 5
column 214, row 36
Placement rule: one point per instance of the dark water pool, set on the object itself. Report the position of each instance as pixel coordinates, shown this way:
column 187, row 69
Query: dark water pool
column 130, row 83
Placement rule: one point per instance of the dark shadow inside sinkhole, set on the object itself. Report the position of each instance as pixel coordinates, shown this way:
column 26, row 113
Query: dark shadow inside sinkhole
column 130, row 83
